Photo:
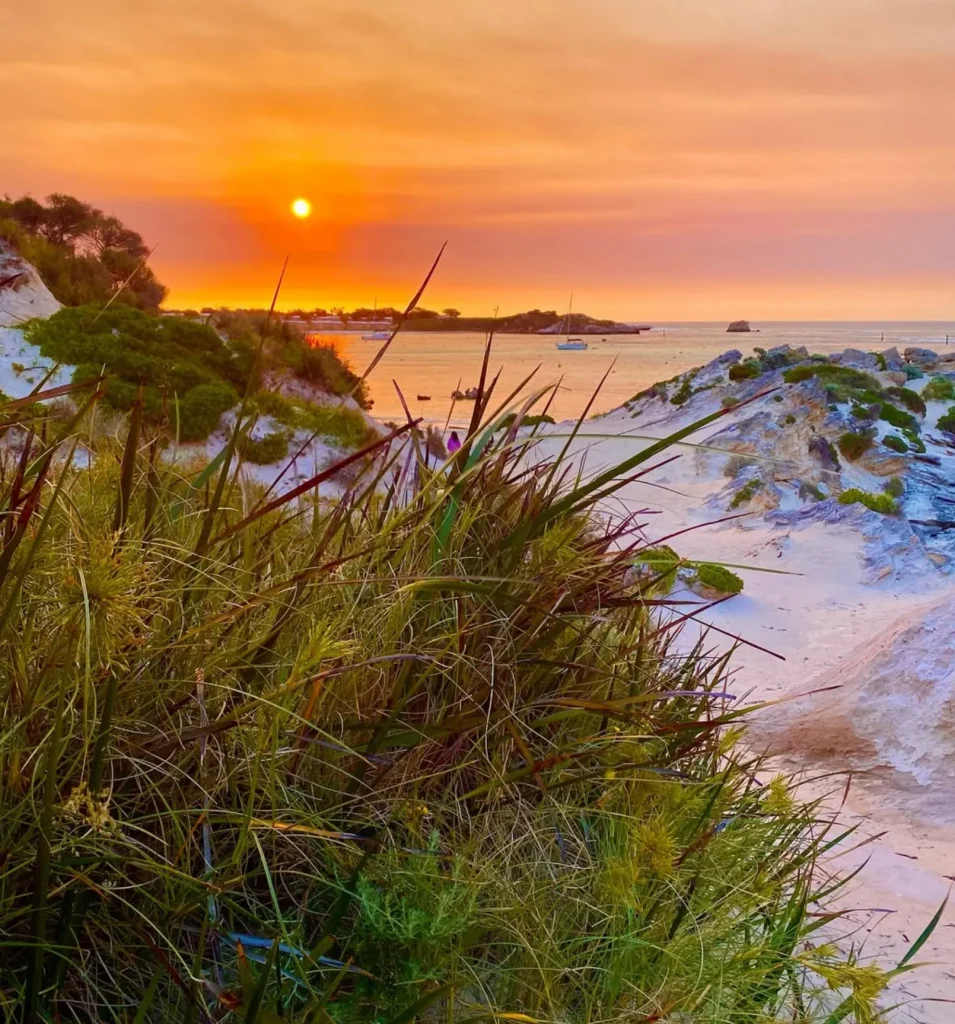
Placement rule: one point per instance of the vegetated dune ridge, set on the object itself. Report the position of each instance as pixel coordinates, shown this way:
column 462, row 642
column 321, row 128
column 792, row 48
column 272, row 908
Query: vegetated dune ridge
column 867, row 606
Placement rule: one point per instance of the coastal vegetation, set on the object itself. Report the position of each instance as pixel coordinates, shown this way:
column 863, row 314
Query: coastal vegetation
column 854, row 445
column 436, row 752
column 82, row 254
column 189, row 375
column 883, row 503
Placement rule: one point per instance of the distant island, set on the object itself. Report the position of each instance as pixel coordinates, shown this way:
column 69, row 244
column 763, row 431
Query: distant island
column 336, row 319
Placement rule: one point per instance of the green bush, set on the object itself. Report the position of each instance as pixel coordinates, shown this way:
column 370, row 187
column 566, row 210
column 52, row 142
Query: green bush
column 746, row 493
column 797, row 374
column 882, row 503
column 880, row 359
column 171, row 358
column 853, row 446
column 860, row 412
column 685, row 391
column 718, row 578
column 198, row 412
column 946, row 421
column 526, row 421
column 912, row 400
column 744, row 371
column 898, row 417
column 324, row 368
column 844, row 376
column 895, row 487
column 662, row 564
column 266, row 450
column 939, row 389
column 896, row 443
column 916, row 444
column 912, row 371
column 789, row 420
column 728, row 402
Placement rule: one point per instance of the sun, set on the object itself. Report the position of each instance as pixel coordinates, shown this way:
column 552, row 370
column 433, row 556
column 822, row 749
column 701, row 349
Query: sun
column 301, row 208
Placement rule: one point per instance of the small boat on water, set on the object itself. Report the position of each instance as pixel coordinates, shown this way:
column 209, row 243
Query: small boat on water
column 465, row 396
column 376, row 336
column 424, row 398
column 570, row 344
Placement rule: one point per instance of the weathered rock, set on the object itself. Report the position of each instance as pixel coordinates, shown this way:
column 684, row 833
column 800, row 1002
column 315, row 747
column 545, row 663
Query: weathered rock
column 923, row 358
column 23, row 295
column 892, row 378
column 824, row 453
column 947, row 356
column 893, row 360
column 739, row 327
column 882, row 461
column 857, row 359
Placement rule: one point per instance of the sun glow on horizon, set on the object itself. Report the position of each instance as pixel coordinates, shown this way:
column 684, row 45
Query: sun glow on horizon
column 302, row 208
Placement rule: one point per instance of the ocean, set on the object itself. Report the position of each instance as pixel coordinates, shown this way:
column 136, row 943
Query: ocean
column 436, row 364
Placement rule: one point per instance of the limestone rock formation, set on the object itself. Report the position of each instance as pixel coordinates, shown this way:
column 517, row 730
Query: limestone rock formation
column 739, row 327
column 23, row 295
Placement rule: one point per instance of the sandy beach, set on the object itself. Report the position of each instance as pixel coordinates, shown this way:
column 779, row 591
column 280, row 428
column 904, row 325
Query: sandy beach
column 852, row 607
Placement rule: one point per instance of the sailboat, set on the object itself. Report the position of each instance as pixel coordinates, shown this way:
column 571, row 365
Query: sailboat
column 377, row 335
column 570, row 344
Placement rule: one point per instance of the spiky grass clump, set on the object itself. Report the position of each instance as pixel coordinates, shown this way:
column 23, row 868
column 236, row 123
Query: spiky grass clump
column 433, row 745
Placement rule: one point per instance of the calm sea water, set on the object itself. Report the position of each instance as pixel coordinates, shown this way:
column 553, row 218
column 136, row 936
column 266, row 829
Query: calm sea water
column 436, row 364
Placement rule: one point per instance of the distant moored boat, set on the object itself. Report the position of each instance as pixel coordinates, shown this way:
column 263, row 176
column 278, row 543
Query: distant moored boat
column 571, row 344
column 376, row 336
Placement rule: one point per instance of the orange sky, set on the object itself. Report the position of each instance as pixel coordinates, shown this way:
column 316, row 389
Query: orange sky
column 662, row 159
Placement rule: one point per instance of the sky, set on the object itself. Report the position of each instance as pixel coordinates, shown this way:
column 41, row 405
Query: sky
column 661, row 159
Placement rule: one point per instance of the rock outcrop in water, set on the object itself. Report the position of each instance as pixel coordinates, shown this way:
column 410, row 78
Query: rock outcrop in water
column 23, row 295
column 739, row 327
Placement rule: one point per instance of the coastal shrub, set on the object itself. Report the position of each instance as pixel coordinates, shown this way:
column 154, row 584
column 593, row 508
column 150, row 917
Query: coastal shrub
column 324, row 760
column 745, row 370
column 746, row 493
column 333, row 421
column 845, row 376
column 946, row 421
column 912, row 400
column 853, row 445
column 685, row 391
column 939, row 389
column 880, row 361
column 912, row 371
column 916, row 444
column 729, row 402
column 860, row 412
column 885, row 504
column 170, row 358
column 895, row 487
column 898, row 417
column 895, row 442
column 662, row 564
column 321, row 366
column 789, row 420
column 718, row 578
column 526, row 421
column 778, row 398
column 266, row 450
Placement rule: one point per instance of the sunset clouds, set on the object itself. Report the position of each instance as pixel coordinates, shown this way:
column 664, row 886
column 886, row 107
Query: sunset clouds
column 671, row 159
